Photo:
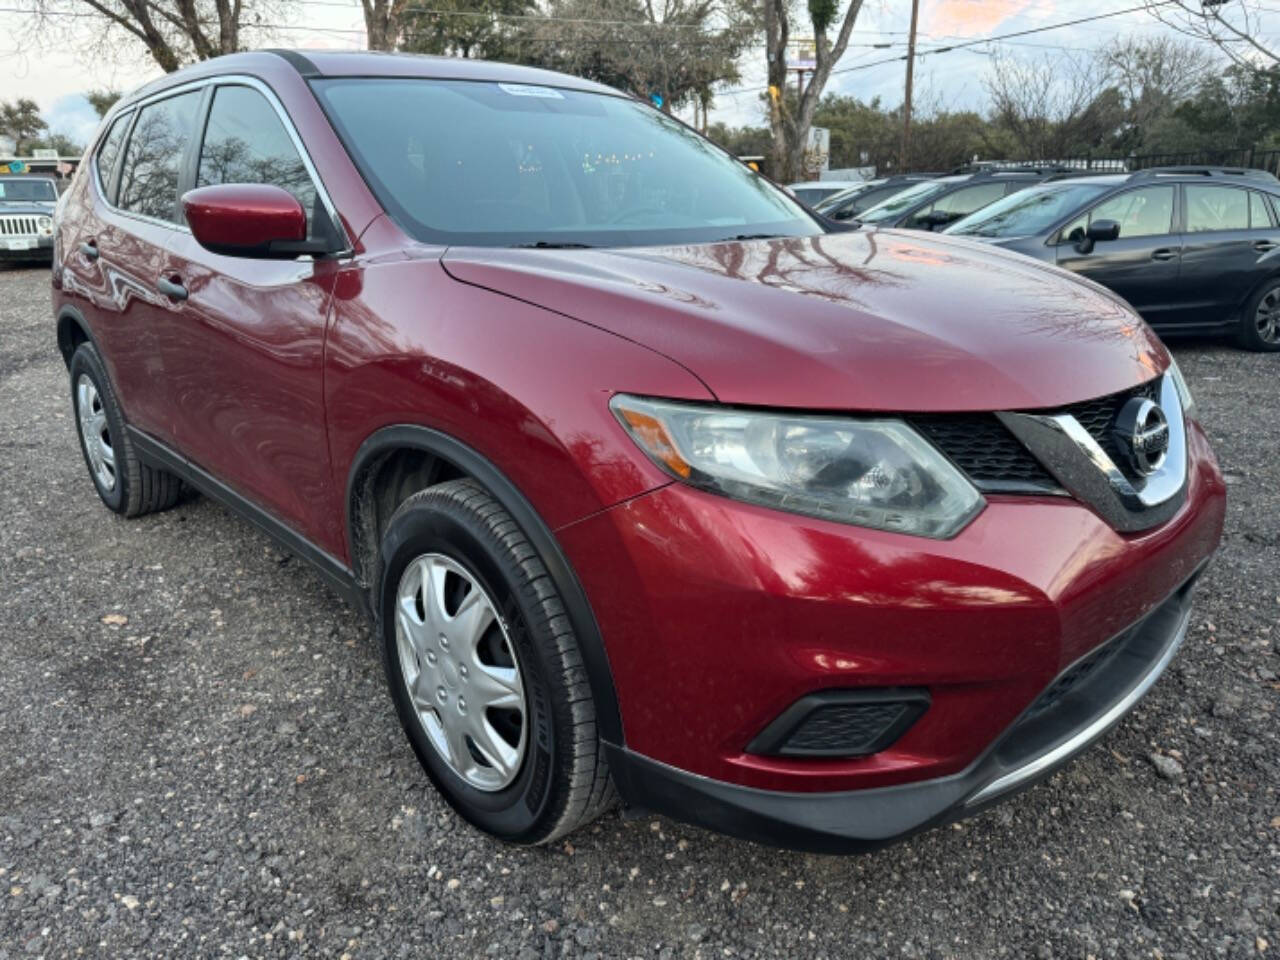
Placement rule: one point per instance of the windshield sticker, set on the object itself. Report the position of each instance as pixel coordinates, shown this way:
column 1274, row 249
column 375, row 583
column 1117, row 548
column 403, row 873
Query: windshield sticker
column 528, row 90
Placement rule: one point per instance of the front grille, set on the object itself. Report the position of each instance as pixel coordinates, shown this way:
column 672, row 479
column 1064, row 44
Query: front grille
column 992, row 457
column 997, row 462
column 12, row 226
column 1099, row 416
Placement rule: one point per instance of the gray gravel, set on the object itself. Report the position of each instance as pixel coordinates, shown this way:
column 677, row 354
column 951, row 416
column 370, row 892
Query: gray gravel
column 197, row 758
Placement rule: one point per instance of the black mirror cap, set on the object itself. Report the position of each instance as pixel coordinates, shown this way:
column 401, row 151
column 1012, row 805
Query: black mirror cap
column 1101, row 230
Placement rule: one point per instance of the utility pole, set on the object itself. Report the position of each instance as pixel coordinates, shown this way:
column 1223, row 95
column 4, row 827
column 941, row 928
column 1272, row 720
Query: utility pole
column 905, row 158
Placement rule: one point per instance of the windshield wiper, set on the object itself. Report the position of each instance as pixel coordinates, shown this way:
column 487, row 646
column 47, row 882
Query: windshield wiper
column 552, row 245
column 751, row 236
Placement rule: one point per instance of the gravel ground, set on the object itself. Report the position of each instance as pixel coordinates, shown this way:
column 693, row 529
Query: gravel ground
column 198, row 758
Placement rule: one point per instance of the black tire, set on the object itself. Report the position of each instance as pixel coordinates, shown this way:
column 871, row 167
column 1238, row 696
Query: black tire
column 137, row 488
column 1251, row 335
column 563, row 780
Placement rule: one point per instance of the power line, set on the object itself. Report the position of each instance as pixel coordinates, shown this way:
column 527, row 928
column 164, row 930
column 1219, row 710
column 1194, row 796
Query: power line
column 963, row 45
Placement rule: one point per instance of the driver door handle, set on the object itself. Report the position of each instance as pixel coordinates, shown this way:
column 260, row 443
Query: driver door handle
column 1264, row 246
column 172, row 288
column 1164, row 253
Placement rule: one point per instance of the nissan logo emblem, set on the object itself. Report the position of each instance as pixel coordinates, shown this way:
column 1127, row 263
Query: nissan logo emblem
column 1143, row 434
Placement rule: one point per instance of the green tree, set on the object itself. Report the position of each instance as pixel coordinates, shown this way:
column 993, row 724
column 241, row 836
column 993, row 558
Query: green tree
column 21, row 122
column 678, row 49
column 483, row 29
column 103, row 100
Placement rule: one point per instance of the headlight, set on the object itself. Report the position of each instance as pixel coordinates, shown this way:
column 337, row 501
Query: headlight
column 1184, row 392
column 45, row 226
column 873, row 473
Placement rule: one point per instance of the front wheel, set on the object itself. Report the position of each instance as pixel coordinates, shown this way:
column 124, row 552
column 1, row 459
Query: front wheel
column 1260, row 322
column 485, row 670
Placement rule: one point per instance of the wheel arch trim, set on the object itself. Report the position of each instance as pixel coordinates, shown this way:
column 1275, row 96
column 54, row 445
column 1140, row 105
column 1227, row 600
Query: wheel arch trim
column 68, row 316
column 414, row 437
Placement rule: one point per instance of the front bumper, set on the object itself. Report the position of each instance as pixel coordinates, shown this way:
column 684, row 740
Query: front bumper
column 41, row 249
column 1034, row 746
column 717, row 616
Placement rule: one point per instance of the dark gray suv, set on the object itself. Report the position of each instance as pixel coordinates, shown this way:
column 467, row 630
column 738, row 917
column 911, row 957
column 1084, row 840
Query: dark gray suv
column 1191, row 249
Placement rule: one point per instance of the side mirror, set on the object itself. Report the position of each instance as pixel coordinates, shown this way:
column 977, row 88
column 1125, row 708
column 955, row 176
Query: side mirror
column 1103, row 230
column 249, row 220
column 845, row 214
column 1099, row 230
column 936, row 219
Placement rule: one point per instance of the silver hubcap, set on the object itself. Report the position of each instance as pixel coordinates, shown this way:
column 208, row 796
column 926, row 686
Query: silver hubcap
column 1268, row 317
column 94, row 433
column 461, row 672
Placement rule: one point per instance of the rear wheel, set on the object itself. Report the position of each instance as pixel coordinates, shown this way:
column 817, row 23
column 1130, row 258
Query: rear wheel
column 484, row 668
column 126, row 484
column 1260, row 323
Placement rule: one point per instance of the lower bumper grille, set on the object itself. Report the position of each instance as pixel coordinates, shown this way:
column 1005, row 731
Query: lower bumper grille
column 841, row 723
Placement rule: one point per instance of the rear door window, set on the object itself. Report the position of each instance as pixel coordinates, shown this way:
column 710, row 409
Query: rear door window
column 246, row 142
column 1213, row 208
column 153, row 159
column 109, row 152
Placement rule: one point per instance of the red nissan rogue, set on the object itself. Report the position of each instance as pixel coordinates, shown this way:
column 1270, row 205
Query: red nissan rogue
column 655, row 488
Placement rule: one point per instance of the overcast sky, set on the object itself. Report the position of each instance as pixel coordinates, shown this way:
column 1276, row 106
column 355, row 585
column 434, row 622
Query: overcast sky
column 57, row 79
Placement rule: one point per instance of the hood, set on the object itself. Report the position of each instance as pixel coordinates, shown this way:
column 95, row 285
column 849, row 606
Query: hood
column 27, row 208
column 874, row 320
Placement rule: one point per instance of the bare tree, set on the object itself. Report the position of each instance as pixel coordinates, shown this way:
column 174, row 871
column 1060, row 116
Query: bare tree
column 383, row 22
column 1233, row 27
column 173, row 32
column 1153, row 76
column 1052, row 106
column 790, row 122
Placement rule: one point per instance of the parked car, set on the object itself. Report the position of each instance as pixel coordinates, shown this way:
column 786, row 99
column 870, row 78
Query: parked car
column 1194, row 249
column 26, row 217
column 812, row 192
column 653, row 487
column 934, row 204
column 848, row 204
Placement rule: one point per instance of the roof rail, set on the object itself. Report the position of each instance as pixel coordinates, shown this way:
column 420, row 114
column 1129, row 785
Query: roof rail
column 985, row 170
column 1198, row 171
column 1073, row 174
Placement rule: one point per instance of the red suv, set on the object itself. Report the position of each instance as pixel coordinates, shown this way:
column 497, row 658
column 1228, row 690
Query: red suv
column 653, row 487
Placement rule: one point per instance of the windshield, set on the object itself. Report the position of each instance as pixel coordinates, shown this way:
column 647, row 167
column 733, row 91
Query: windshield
column 900, row 203
column 511, row 164
column 27, row 190
column 1028, row 212
column 836, row 199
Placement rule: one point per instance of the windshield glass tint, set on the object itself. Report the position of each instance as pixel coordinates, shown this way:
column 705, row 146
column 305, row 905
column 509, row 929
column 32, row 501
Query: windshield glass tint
column 1028, row 212
column 12, row 191
column 900, row 203
column 502, row 164
column 839, row 199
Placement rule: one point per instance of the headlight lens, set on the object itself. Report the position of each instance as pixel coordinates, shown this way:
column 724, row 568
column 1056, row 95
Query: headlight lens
column 873, row 473
column 1184, row 392
column 45, row 226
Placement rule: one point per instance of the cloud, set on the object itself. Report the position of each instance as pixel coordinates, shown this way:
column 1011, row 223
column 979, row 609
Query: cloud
column 73, row 116
column 968, row 18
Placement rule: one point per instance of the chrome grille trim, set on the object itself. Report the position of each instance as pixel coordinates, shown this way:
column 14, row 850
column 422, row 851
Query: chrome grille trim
column 1078, row 462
